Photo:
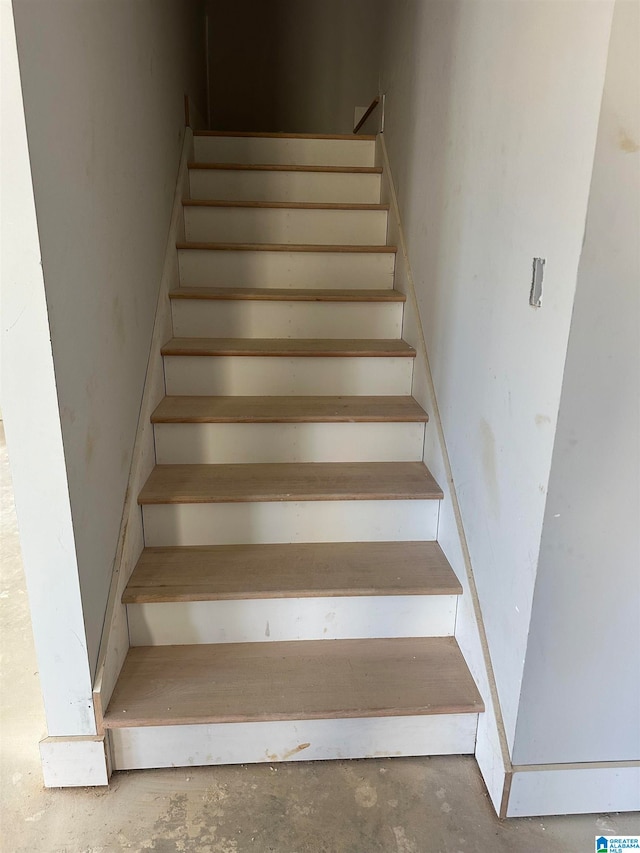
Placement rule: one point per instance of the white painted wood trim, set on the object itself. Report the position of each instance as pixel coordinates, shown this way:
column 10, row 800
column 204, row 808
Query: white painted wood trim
column 574, row 789
column 72, row 762
column 283, row 376
column 284, row 150
column 115, row 635
column 245, row 318
column 252, row 268
column 492, row 751
column 287, row 619
column 278, row 442
column 290, row 521
column 285, row 225
column 329, row 187
column 297, row 740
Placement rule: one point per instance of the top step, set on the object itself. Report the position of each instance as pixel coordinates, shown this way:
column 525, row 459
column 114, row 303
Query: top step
column 284, row 148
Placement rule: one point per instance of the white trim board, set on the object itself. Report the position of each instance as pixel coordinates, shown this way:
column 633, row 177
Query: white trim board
column 597, row 787
column 114, row 644
column 72, row 762
column 288, row 442
column 296, row 740
column 492, row 752
column 256, row 522
column 278, row 619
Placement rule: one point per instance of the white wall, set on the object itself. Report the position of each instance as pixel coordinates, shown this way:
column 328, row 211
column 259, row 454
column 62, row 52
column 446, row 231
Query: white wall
column 581, row 687
column 32, row 425
column 103, row 86
column 287, row 65
column 491, row 118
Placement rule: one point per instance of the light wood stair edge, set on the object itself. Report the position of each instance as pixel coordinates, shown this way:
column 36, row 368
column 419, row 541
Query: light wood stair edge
column 268, row 482
column 289, row 347
column 321, row 248
column 309, row 679
column 284, row 205
column 290, row 570
column 175, row 409
column 285, row 167
column 288, row 294
column 351, row 137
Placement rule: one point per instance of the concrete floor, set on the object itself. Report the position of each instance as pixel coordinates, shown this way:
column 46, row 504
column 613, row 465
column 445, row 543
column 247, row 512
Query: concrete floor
column 410, row 805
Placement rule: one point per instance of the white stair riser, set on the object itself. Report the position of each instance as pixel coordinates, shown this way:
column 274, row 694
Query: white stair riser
column 290, row 521
column 292, row 740
column 312, row 442
column 254, row 185
column 244, row 318
column 272, row 620
column 270, row 376
column 285, row 225
column 204, row 267
column 292, row 152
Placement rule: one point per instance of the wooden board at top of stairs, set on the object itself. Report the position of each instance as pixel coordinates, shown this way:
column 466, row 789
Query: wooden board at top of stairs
column 287, row 167
column 288, row 347
column 353, row 137
column 311, row 248
column 288, row 294
column 291, row 410
column 289, row 481
column 316, row 679
column 290, row 570
column 281, row 205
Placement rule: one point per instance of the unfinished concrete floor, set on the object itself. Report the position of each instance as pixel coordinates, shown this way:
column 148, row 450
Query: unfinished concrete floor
column 409, row 805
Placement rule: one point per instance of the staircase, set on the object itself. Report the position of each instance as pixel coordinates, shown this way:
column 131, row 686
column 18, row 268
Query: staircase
column 292, row 600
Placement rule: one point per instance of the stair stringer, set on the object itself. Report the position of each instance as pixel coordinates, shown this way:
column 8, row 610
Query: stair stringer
column 114, row 643
column 491, row 749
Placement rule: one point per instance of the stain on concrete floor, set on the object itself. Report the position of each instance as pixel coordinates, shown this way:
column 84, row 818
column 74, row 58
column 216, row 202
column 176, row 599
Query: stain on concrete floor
column 400, row 805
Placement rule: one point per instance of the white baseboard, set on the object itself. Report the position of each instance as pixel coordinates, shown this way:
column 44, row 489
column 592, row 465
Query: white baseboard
column 284, row 150
column 492, row 753
column 552, row 789
column 71, row 762
column 263, row 620
column 295, row 740
column 185, row 444
column 256, row 522
column 114, row 644
column 327, row 187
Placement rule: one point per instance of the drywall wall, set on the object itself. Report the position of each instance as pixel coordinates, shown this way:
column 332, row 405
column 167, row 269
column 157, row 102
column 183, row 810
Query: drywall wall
column 583, row 657
column 286, row 65
column 103, row 87
column 490, row 125
column 32, row 424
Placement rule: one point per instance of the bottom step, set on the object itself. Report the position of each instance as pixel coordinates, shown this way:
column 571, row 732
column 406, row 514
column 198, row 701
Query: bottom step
column 250, row 702
column 284, row 740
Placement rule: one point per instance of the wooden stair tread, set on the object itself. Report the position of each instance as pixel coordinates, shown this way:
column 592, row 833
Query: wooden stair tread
column 286, row 294
column 353, row 137
column 289, row 347
column 340, row 248
column 286, row 167
column 282, row 205
column 292, row 409
column 298, row 570
column 317, row 679
column 289, row 481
